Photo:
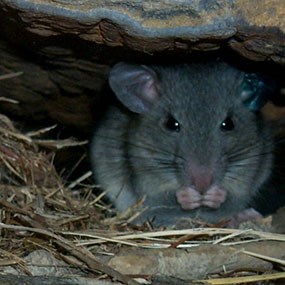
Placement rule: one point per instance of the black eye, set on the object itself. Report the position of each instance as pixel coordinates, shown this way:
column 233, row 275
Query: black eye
column 227, row 124
column 172, row 124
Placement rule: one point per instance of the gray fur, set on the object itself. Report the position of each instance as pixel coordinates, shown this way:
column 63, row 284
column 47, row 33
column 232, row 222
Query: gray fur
column 134, row 155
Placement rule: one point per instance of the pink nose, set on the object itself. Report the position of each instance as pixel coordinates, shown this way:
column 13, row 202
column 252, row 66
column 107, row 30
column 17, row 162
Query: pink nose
column 202, row 182
column 201, row 176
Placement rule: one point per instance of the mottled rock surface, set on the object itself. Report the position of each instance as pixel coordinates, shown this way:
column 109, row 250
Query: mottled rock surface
column 65, row 47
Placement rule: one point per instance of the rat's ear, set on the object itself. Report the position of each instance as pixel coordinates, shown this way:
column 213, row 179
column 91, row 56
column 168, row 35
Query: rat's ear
column 257, row 90
column 134, row 85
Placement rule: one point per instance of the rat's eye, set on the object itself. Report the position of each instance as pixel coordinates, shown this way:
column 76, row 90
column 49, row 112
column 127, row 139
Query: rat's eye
column 227, row 124
column 172, row 124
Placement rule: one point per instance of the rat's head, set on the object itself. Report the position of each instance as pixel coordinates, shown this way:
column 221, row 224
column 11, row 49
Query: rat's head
column 198, row 124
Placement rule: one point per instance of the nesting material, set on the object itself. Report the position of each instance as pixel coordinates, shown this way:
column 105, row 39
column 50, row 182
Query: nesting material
column 32, row 188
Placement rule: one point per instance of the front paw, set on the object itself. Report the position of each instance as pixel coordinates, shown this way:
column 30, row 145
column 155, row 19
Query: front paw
column 189, row 198
column 214, row 197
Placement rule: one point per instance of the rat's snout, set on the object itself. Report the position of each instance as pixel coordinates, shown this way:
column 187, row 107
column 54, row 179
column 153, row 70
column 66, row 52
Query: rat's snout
column 201, row 176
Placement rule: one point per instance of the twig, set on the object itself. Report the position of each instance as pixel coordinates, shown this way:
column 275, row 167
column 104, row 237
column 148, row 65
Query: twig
column 59, row 144
column 37, row 220
column 80, row 252
column 11, row 75
column 8, row 100
column 245, row 279
column 264, row 257
column 235, row 234
column 80, row 179
column 41, row 131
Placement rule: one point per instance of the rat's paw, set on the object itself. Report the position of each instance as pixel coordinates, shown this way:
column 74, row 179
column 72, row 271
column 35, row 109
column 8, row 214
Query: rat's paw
column 189, row 198
column 249, row 214
column 214, row 197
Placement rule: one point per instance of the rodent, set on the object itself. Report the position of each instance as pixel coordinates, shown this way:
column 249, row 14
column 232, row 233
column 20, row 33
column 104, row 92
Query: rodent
column 189, row 138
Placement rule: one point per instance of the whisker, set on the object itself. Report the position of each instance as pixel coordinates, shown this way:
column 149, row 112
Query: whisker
column 144, row 146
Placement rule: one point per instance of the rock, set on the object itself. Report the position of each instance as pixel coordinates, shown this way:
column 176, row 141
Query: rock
column 65, row 48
